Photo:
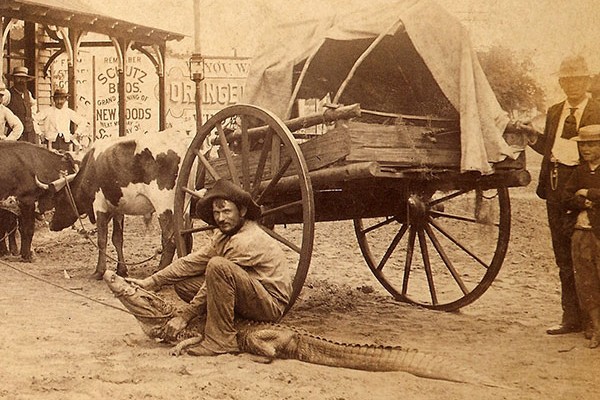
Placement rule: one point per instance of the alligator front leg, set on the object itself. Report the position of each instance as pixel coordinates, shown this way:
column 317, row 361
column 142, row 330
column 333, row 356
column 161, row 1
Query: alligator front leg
column 184, row 344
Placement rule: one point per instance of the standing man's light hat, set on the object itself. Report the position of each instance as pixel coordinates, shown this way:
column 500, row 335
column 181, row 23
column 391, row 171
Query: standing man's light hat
column 588, row 133
column 22, row 72
column 60, row 93
column 573, row 66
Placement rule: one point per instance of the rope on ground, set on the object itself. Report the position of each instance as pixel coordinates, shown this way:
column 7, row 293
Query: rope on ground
column 63, row 288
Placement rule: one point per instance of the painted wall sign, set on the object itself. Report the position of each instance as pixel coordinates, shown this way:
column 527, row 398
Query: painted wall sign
column 98, row 99
column 222, row 86
column 97, row 91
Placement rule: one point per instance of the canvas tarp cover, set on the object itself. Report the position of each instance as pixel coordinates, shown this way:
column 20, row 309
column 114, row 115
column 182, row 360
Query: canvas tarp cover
column 437, row 40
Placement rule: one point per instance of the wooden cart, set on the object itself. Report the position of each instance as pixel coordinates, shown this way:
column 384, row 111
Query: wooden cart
column 431, row 235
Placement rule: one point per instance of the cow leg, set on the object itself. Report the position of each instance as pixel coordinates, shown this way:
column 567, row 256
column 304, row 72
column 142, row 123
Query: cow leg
column 102, row 220
column 26, row 227
column 165, row 220
column 12, row 239
column 3, row 232
column 8, row 227
column 4, row 229
column 117, row 240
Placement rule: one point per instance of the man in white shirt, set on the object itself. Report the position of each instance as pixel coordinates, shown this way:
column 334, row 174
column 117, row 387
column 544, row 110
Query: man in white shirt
column 8, row 119
column 560, row 158
column 56, row 123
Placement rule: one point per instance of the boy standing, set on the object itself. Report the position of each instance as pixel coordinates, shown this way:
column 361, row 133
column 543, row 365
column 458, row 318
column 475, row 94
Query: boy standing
column 582, row 194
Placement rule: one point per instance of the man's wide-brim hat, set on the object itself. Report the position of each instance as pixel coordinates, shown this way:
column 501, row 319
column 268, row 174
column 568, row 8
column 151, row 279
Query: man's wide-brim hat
column 227, row 190
column 60, row 93
column 22, row 72
column 573, row 66
column 589, row 133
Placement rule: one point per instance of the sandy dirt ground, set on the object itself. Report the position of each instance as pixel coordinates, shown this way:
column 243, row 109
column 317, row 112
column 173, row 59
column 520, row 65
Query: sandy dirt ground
column 76, row 344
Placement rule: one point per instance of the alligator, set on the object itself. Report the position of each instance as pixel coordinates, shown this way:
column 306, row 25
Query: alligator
column 271, row 341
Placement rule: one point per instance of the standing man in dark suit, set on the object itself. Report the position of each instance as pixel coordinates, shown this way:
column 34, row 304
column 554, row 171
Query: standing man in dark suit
column 23, row 104
column 560, row 157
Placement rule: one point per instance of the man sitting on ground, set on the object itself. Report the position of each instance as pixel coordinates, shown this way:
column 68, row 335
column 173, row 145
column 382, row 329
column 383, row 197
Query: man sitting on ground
column 242, row 273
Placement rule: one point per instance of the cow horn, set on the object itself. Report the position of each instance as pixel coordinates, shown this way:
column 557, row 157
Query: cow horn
column 57, row 184
column 40, row 184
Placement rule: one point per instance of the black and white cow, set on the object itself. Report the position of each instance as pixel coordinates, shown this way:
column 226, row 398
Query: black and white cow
column 20, row 163
column 132, row 175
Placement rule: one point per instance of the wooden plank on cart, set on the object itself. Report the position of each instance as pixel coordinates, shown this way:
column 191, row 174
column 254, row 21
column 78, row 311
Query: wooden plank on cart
column 402, row 144
column 319, row 153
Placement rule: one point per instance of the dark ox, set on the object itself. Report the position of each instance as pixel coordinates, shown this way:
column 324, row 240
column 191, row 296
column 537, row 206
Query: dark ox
column 20, row 163
column 133, row 175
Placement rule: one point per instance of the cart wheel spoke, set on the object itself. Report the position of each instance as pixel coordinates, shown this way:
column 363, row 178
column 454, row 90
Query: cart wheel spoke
column 447, row 197
column 410, row 249
column 281, row 239
column 245, row 153
column 427, row 265
column 227, row 153
column 282, row 208
column 262, row 161
column 445, row 259
column 467, row 231
column 459, row 244
column 392, row 247
column 254, row 150
column 378, row 225
column 207, row 165
column 275, row 180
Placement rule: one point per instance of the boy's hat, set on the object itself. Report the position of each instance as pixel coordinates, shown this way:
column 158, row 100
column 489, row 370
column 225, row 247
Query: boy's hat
column 588, row 133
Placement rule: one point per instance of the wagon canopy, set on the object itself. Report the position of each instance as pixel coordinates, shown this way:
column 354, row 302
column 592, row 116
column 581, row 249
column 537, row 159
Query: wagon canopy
column 407, row 57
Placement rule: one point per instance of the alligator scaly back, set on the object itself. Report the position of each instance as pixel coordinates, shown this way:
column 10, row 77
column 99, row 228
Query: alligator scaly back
column 275, row 341
column 278, row 341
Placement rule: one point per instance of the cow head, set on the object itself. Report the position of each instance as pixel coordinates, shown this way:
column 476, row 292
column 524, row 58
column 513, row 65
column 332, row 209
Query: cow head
column 66, row 169
column 66, row 197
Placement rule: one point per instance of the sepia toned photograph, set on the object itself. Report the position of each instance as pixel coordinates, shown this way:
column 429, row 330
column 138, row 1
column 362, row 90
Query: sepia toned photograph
column 301, row 199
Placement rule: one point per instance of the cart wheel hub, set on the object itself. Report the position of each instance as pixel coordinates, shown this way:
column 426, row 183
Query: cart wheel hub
column 417, row 209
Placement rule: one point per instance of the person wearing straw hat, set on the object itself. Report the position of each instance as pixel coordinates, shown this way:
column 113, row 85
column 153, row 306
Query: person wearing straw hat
column 582, row 195
column 241, row 273
column 23, row 104
column 560, row 158
column 8, row 119
column 55, row 123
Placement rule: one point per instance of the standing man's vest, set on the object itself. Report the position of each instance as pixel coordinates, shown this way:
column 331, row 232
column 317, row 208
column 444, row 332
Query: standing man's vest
column 20, row 105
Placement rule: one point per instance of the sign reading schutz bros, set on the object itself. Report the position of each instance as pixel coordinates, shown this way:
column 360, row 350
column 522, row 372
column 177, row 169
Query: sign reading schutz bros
column 222, row 86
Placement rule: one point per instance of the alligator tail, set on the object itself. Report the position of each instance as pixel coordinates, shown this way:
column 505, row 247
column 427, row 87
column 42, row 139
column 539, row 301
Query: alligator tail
column 316, row 350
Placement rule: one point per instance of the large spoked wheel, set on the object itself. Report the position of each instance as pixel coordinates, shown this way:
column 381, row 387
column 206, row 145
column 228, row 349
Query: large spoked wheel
column 462, row 237
column 254, row 149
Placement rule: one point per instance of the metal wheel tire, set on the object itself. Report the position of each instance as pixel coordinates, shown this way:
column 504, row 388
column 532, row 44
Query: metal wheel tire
column 253, row 148
column 462, row 236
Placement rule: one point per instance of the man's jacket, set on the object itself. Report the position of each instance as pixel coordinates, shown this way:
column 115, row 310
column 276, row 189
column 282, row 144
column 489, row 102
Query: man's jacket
column 590, row 116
